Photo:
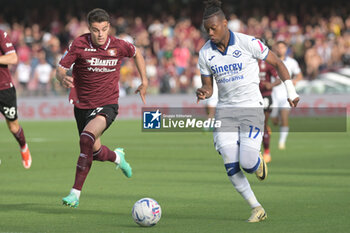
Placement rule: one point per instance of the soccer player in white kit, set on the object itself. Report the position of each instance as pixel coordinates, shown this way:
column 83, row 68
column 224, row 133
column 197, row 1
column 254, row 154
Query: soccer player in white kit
column 280, row 105
column 232, row 60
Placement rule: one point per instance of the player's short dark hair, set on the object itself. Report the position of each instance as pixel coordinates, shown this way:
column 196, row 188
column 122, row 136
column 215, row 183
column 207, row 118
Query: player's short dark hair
column 212, row 8
column 281, row 42
column 97, row 15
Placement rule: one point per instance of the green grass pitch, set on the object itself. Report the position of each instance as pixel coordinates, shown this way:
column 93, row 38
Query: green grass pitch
column 308, row 188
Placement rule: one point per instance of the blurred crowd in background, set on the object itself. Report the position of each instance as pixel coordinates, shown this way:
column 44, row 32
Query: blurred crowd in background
column 170, row 35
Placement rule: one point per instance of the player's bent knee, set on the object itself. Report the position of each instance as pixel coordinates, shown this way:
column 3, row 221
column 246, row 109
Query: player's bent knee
column 13, row 126
column 249, row 159
column 232, row 168
column 253, row 169
column 229, row 153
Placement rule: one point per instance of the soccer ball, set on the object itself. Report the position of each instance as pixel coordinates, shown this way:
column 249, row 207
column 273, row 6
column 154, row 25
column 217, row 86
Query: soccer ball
column 146, row 212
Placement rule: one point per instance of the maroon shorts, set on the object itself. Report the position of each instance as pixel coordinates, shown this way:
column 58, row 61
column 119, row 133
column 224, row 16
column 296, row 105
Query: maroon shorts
column 8, row 103
column 84, row 116
column 267, row 103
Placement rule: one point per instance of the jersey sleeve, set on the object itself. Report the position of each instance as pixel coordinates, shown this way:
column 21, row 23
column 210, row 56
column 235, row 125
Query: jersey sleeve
column 6, row 45
column 70, row 56
column 258, row 49
column 128, row 49
column 203, row 67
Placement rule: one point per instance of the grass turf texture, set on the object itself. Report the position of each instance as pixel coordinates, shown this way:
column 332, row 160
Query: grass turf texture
column 307, row 189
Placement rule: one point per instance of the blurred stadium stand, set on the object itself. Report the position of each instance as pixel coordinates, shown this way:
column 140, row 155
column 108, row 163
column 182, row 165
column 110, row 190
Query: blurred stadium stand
column 170, row 35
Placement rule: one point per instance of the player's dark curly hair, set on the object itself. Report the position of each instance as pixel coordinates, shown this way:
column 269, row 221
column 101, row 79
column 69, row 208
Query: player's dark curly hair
column 97, row 15
column 212, row 7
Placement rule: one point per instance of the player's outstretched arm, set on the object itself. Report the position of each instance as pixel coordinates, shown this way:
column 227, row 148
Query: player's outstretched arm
column 63, row 78
column 141, row 67
column 9, row 59
column 293, row 97
column 206, row 91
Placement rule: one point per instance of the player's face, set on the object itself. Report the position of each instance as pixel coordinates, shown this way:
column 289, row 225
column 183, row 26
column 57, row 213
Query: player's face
column 281, row 49
column 216, row 28
column 99, row 32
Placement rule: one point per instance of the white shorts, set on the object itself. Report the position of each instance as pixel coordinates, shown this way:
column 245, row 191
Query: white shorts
column 244, row 127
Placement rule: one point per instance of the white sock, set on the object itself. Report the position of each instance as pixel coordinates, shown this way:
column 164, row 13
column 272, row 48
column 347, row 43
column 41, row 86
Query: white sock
column 283, row 134
column 76, row 192
column 253, row 203
column 241, row 184
column 117, row 158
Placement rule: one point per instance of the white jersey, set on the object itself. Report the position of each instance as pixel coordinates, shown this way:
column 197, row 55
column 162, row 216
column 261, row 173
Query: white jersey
column 293, row 68
column 23, row 72
column 44, row 72
column 235, row 71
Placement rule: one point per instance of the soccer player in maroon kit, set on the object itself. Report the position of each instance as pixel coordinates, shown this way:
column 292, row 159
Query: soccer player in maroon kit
column 8, row 100
column 94, row 82
column 266, row 73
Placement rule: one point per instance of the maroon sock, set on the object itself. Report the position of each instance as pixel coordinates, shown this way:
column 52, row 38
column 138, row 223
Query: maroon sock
column 20, row 137
column 87, row 141
column 104, row 154
column 266, row 139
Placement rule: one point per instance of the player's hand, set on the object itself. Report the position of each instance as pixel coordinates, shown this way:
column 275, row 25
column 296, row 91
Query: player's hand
column 268, row 85
column 293, row 103
column 67, row 82
column 201, row 94
column 142, row 90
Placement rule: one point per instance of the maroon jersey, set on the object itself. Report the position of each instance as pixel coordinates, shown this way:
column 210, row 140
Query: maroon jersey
column 96, row 70
column 265, row 74
column 6, row 47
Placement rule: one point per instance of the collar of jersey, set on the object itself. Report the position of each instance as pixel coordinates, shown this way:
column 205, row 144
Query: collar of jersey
column 104, row 46
column 230, row 42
